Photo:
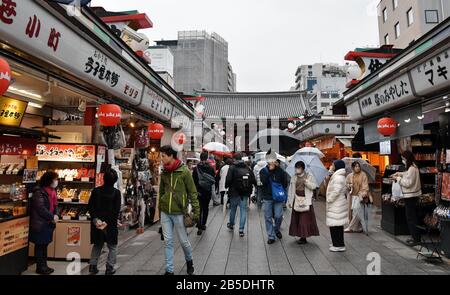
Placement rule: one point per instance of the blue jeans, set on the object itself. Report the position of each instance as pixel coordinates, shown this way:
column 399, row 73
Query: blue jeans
column 242, row 203
column 269, row 207
column 168, row 222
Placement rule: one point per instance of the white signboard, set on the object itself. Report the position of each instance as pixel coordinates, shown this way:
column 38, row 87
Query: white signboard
column 385, row 147
column 31, row 28
column 155, row 104
column 179, row 119
column 386, row 97
column 433, row 74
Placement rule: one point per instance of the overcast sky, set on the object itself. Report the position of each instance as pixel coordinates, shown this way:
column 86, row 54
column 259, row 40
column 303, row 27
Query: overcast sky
column 267, row 39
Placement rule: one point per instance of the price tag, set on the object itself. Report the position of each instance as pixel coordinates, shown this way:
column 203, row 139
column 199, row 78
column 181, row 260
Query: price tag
column 66, row 217
column 82, row 218
column 85, row 179
column 67, row 200
column 68, row 178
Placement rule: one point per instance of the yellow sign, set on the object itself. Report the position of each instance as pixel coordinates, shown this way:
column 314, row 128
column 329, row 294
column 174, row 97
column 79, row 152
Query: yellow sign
column 12, row 111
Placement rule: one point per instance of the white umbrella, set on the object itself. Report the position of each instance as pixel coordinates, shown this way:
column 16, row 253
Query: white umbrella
column 310, row 151
column 313, row 165
column 366, row 167
column 217, row 148
column 262, row 156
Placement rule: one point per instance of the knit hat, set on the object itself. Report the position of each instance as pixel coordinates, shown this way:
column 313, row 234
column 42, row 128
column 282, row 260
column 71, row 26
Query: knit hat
column 339, row 164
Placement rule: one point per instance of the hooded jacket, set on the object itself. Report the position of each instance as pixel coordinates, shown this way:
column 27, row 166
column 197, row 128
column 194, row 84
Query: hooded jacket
column 176, row 190
column 232, row 176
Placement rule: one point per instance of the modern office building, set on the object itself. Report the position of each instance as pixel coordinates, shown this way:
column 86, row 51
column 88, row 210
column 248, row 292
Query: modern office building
column 201, row 62
column 324, row 84
column 401, row 22
column 162, row 61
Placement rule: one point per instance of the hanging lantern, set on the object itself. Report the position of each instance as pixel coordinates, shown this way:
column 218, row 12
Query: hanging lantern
column 109, row 115
column 155, row 131
column 180, row 138
column 387, row 126
column 291, row 126
column 5, row 76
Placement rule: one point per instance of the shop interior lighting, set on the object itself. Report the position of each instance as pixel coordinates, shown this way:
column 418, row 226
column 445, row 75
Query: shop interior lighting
column 445, row 97
column 408, row 120
column 24, row 93
column 447, row 107
column 421, row 117
column 132, row 125
column 35, row 105
column 153, row 150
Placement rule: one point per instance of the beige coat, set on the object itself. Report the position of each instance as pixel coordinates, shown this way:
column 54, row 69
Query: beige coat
column 410, row 182
column 310, row 186
column 337, row 205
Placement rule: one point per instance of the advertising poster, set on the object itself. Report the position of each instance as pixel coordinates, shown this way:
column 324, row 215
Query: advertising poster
column 74, row 236
column 66, row 153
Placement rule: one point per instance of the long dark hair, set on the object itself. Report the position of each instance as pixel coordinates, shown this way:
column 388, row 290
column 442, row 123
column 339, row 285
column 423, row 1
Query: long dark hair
column 410, row 159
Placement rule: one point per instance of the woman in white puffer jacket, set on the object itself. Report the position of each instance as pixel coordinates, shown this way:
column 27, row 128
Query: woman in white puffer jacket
column 337, row 206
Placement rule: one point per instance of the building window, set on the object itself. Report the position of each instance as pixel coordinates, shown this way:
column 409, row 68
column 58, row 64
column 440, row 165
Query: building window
column 324, row 105
column 395, row 4
column 384, row 14
column 397, row 30
column 410, row 17
column 310, row 74
column 386, row 39
column 310, row 67
column 431, row 16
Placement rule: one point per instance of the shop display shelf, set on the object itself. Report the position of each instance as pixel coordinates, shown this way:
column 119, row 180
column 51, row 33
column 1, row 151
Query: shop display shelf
column 71, row 203
column 76, row 182
column 12, row 218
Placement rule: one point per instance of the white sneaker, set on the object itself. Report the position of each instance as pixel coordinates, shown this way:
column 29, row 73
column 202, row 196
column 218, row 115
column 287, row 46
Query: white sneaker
column 337, row 249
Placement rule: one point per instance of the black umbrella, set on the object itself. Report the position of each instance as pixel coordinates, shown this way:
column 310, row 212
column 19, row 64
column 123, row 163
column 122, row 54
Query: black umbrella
column 281, row 141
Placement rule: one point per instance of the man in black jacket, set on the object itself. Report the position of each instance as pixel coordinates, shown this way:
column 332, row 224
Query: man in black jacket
column 204, row 177
column 240, row 181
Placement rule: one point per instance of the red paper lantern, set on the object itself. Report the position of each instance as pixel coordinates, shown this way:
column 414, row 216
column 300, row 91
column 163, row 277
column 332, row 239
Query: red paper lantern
column 109, row 115
column 387, row 126
column 155, row 131
column 5, row 76
column 180, row 138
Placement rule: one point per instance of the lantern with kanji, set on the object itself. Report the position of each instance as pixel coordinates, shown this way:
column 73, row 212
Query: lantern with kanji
column 387, row 126
column 109, row 115
column 5, row 76
column 155, row 131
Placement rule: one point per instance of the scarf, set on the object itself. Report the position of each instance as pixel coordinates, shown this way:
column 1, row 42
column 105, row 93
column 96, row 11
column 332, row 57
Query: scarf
column 172, row 167
column 300, row 184
column 53, row 198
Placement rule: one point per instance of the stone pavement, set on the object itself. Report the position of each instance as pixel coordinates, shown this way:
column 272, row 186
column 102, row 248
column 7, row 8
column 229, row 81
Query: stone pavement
column 219, row 251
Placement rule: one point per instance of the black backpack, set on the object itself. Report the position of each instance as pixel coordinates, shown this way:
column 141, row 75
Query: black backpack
column 243, row 181
column 205, row 180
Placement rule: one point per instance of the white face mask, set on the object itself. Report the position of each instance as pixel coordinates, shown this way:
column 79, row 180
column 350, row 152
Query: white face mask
column 54, row 184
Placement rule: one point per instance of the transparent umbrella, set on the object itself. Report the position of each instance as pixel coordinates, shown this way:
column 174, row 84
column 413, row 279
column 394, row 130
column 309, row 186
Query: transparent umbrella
column 366, row 167
column 310, row 151
column 313, row 165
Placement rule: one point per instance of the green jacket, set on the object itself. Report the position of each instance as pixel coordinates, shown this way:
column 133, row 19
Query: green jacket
column 183, row 191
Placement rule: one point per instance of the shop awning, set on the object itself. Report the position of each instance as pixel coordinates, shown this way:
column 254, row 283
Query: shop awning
column 326, row 143
column 347, row 142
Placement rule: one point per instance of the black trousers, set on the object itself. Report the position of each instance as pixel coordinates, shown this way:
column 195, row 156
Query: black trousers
column 40, row 253
column 337, row 236
column 222, row 195
column 411, row 217
column 204, row 199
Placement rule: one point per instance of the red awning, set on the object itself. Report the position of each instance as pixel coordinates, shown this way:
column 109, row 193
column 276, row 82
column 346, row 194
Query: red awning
column 138, row 21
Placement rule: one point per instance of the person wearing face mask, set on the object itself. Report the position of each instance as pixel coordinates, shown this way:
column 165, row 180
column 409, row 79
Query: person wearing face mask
column 412, row 189
column 43, row 218
column 358, row 186
column 301, row 190
column 337, row 206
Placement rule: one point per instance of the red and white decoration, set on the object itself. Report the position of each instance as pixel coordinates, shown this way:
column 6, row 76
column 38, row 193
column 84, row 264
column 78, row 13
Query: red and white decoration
column 5, row 76
column 387, row 126
column 155, row 131
column 109, row 115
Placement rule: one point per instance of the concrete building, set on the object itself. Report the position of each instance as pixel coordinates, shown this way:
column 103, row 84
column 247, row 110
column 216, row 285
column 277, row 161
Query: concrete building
column 162, row 61
column 401, row 22
column 324, row 84
column 201, row 62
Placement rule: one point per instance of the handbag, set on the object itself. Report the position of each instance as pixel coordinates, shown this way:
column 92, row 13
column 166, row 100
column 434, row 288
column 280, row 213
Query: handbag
column 300, row 204
column 188, row 215
column 278, row 191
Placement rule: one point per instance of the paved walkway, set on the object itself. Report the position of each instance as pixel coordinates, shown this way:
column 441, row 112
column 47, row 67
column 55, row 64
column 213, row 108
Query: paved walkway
column 219, row 251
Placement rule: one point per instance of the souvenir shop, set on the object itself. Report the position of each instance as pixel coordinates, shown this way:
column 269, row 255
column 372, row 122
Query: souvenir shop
column 407, row 107
column 75, row 110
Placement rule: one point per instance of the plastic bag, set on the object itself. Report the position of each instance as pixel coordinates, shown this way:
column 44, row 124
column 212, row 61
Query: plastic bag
column 397, row 192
